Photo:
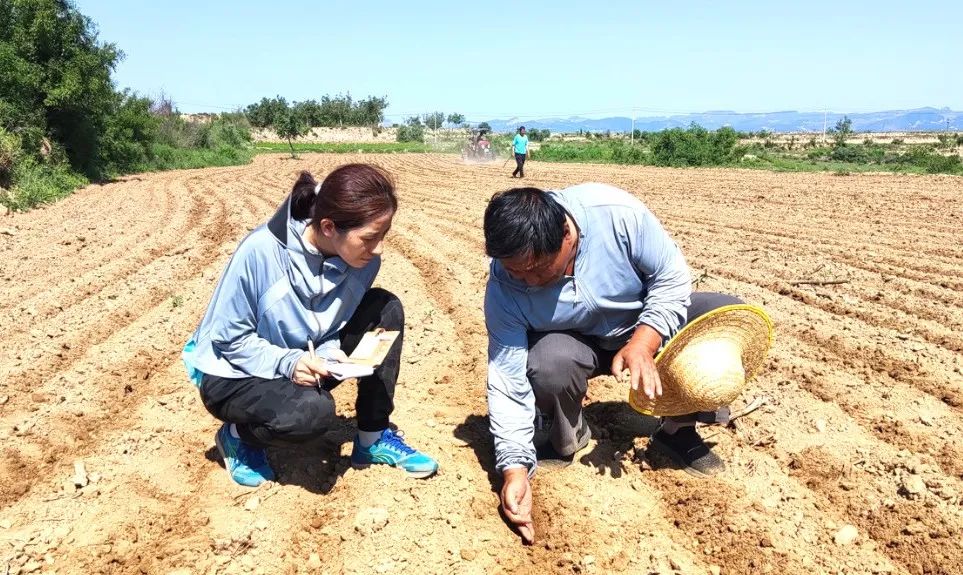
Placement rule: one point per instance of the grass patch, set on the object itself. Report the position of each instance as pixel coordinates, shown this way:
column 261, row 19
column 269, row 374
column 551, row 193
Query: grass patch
column 169, row 158
column 36, row 183
column 589, row 152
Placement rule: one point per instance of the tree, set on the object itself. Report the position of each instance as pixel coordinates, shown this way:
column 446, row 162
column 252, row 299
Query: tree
column 434, row 120
column 336, row 111
column 55, row 79
column 371, row 111
column 290, row 125
column 413, row 121
column 456, row 119
column 842, row 130
column 411, row 133
column 484, row 127
column 311, row 112
column 265, row 112
column 163, row 106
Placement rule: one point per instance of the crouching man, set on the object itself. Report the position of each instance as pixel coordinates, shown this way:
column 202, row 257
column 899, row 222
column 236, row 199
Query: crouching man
column 584, row 281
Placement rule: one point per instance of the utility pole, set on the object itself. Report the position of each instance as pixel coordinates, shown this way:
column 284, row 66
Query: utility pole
column 824, row 125
column 632, row 136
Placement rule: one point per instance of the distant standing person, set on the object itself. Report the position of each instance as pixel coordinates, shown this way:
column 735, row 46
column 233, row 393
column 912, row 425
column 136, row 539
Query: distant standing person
column 520, row 146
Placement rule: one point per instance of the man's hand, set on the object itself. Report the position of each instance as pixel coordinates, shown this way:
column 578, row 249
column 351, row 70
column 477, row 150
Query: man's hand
column 309, row 370
column 517, row 502
column 638, row 357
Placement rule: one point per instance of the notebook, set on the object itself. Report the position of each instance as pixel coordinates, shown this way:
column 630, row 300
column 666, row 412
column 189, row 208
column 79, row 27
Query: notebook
column 342, row 371
column 368, row 354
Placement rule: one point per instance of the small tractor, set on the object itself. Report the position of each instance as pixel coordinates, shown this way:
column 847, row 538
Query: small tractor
column 478, row 147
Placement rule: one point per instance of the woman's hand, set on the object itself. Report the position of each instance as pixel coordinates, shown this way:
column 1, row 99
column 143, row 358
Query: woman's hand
column 309, row 370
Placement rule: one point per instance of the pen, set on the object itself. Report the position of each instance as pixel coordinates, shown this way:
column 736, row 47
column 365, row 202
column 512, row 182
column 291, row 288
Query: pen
column 317, row 379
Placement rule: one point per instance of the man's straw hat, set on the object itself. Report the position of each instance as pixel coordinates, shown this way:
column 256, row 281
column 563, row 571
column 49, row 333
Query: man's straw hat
column 709, row 362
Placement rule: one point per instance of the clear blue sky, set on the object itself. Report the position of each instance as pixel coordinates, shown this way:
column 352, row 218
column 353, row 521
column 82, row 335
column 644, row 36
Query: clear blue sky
column 498, row 59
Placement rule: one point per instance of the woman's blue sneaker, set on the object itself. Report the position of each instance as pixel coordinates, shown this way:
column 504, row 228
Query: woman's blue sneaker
column 247, row 465
column 391, row 449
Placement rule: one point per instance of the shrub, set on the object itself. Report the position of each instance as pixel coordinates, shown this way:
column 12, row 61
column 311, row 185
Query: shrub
column 854, row 154
column 938, row 163
column 876, row 154
column 176, row 132
column 694, row 146
column 930, row 161
column 129, row 134
column 413, row 133
column 228, row 131
column 753, row 151
column 818, row 153
column 624, row 153
column 573, row 152
column 36, row 183
column 10, row 153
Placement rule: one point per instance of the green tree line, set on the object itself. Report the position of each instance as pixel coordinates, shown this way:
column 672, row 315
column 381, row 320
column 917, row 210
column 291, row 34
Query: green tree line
column 330, row 111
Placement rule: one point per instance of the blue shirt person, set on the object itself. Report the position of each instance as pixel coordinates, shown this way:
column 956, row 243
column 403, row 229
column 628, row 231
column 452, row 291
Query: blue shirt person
column 296, row 297
column 520, row 147
column 584, row 281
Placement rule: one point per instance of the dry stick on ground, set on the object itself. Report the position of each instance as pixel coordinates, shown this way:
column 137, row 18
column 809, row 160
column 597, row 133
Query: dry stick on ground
column 818, row 282
column 753, row 405
column 698, row 280
column 819, row 267
column 268, row 491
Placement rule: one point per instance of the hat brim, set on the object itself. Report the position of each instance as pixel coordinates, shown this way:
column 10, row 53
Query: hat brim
column 746, row 326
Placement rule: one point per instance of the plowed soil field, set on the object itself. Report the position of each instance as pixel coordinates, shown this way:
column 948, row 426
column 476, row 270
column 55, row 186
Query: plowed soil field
column 855, row 464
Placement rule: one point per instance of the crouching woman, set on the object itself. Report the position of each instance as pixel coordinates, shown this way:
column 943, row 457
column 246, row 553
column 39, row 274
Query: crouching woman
column 303, row 280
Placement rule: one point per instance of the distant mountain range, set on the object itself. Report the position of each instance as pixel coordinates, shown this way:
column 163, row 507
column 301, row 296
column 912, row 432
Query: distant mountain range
column 918, row 120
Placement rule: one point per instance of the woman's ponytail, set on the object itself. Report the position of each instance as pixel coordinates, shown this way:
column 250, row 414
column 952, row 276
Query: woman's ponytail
column 303, row 196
